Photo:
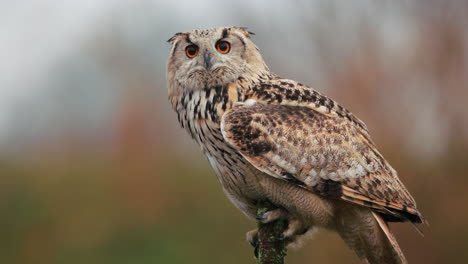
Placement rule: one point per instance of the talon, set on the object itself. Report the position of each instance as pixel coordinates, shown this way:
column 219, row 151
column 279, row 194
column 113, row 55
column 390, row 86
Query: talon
column 303, row 231
column 252, row 237
column 294, row 228
column 282, row 238
column 260, row 217
column 272, row 215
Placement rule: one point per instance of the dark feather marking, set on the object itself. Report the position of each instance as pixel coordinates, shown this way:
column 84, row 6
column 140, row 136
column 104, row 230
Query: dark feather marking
column 295, row 181
column 202, row 132
column 197, row 105
column 190, row 96
column 242, row 176
column 176, row 45
column 224, row 34
column 178, row 118
column 187, row 38
column 226, row 160
column 329, row 188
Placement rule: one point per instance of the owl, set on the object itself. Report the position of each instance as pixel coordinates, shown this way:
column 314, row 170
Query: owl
column 274, row 139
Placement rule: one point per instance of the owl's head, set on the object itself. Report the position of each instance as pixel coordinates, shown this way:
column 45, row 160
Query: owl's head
column 204, row 58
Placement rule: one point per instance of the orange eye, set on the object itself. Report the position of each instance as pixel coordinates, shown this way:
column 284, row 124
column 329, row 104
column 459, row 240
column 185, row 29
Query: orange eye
column 223, row 46
column 191, row 51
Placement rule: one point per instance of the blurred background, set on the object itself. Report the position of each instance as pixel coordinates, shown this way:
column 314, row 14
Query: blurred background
column 95, row 169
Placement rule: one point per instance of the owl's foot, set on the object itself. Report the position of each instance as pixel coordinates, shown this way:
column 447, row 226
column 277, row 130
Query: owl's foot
column 294, row 228
column 272, row 215
column 267, row 217
column 252, row 237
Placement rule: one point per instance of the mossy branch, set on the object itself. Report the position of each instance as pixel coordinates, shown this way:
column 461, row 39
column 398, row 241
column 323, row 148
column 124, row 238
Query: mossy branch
column 271, row 249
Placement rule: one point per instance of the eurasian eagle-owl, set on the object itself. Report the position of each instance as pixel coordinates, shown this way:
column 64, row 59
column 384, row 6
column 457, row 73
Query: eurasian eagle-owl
column 277, row 140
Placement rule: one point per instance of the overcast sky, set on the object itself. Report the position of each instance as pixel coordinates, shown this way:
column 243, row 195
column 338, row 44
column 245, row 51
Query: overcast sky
column 42, row 43
column 34, row 36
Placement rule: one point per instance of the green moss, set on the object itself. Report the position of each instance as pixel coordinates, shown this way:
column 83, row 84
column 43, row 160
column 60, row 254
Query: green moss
column 271, row 248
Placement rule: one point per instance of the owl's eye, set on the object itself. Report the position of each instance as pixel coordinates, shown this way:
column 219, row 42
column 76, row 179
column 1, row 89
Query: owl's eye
column 191, row 51
column 223, row 46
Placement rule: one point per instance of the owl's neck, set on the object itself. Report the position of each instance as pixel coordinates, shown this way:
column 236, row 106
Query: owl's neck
column 211, row 103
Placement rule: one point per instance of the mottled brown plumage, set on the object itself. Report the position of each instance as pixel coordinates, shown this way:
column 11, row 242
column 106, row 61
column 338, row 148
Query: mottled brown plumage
column 269, row 138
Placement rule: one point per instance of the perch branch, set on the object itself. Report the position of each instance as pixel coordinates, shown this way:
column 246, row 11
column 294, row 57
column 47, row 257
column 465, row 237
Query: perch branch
column 271, row 248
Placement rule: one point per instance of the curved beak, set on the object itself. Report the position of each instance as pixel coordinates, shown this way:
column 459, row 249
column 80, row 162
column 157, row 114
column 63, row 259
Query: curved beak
column 207, row 59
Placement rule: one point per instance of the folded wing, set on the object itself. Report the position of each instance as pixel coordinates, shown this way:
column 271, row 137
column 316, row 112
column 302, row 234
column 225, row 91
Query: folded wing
column 324, row 153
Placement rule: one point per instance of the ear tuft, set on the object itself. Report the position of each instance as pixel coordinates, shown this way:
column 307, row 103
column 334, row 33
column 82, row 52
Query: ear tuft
column 245, row 31
column 171, row 40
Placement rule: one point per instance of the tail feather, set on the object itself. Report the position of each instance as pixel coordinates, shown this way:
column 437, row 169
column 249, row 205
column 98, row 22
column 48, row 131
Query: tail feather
column 367, row 234
column 391, row 239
